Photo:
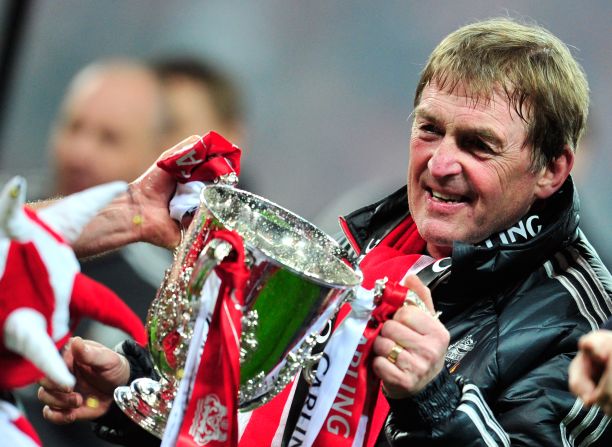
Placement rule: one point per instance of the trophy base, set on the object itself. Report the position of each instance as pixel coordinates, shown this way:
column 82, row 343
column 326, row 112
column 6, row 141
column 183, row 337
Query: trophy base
column 143, row 401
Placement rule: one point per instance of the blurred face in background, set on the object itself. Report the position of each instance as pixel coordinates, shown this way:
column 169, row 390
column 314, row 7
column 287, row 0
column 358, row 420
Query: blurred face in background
column 109, row 128
column 191, row 111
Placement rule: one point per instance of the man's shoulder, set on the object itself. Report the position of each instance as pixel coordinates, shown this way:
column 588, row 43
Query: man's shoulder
column 571, row 288
column 580, row 269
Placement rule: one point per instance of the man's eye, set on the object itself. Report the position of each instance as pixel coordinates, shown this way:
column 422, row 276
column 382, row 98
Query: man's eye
column 72, row 126
column 429, row 128
column 478, row 145
column 481, row 145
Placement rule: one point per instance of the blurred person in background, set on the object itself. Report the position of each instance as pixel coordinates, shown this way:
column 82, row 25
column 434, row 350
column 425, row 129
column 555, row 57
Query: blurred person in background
column 199, row 97
column 109, row 127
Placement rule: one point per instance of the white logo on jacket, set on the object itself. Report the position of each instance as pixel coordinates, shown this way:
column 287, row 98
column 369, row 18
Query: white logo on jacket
column 522, row 231
column 459, row 349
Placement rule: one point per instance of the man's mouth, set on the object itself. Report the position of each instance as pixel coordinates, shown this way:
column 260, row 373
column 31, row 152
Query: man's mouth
column 447, row 198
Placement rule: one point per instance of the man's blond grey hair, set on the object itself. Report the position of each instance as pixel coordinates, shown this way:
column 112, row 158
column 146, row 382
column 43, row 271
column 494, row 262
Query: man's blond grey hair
column 543, row 82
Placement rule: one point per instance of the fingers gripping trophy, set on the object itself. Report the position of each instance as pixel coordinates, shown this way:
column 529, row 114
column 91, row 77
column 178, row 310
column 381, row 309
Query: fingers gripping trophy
column 236, row 317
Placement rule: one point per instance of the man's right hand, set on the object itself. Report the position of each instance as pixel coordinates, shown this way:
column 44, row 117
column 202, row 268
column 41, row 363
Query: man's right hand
column 139, row 215
column 98, row 371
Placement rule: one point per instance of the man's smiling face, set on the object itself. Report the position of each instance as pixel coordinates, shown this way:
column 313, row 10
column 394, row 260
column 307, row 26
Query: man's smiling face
column 470, row 172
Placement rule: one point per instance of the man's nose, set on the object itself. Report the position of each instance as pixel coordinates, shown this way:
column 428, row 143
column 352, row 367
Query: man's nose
column 81, row 147
column 445, row 161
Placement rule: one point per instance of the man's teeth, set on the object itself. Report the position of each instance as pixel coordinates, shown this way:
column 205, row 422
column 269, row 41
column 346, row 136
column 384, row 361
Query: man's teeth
column 445, row 198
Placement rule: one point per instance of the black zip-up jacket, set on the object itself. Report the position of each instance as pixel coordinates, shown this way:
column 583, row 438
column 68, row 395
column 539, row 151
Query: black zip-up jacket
column 515, row 307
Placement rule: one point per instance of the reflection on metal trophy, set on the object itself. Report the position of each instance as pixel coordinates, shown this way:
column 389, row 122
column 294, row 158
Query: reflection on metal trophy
column 297, row 278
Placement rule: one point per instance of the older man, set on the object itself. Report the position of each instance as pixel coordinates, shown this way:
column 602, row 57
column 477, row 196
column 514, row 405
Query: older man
column 499, row 111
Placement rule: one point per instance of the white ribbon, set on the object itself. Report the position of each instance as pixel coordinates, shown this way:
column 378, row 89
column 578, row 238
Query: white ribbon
column 186, row 199
column 208, row 299
column 340, row 350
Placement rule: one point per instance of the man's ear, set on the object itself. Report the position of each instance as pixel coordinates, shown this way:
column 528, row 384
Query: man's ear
column 554, row 174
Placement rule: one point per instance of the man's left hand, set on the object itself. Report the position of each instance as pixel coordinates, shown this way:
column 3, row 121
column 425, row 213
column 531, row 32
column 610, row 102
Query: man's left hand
column 410, row 348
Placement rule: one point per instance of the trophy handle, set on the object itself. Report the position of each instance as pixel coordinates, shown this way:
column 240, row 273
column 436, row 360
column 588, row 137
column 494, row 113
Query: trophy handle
column 309, row 372
column 213, row 253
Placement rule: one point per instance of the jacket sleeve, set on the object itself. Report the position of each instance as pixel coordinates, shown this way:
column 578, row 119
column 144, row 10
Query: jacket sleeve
column 449, row 411
column 115, row 427
column 536, row 410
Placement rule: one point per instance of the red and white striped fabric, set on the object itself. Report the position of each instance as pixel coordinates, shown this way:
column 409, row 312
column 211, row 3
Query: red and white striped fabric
column 42, row 292
column 15, row 429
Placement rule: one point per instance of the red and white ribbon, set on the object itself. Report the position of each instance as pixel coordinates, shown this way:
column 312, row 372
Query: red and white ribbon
column 208, row 300
column 210, row 158
column 211, row 414
column 338, row 356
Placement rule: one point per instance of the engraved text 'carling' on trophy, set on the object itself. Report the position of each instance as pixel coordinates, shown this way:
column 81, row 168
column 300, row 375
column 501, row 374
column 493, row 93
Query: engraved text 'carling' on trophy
column 297, row 279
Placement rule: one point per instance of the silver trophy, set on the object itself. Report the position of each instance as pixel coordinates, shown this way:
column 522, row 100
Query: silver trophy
column 298, row 277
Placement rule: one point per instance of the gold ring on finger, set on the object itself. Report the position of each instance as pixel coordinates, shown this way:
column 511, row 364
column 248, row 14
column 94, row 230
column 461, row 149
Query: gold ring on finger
column 92, row 402
column 395, row 351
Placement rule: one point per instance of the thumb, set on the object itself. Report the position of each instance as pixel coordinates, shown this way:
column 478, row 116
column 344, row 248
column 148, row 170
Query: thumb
column 415, row 285
column 580, row 379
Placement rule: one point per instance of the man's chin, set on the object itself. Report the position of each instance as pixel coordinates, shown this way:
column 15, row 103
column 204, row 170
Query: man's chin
column 438, row 246
column 438, row 234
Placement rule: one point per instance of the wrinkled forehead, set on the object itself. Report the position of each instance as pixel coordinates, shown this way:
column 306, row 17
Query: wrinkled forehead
column 482, row 93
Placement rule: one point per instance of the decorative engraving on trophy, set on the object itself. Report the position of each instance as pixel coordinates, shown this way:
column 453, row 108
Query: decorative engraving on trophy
column 310, row 371
column 249, row 341
column 253, row 387
column 379, row 288
column 260, row 389
column 167, row 335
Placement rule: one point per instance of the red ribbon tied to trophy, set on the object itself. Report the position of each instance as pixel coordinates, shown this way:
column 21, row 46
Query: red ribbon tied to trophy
column 211, row 416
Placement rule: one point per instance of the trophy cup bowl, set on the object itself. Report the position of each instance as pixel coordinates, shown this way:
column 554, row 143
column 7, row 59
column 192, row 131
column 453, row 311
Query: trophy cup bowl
column 297, row 277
